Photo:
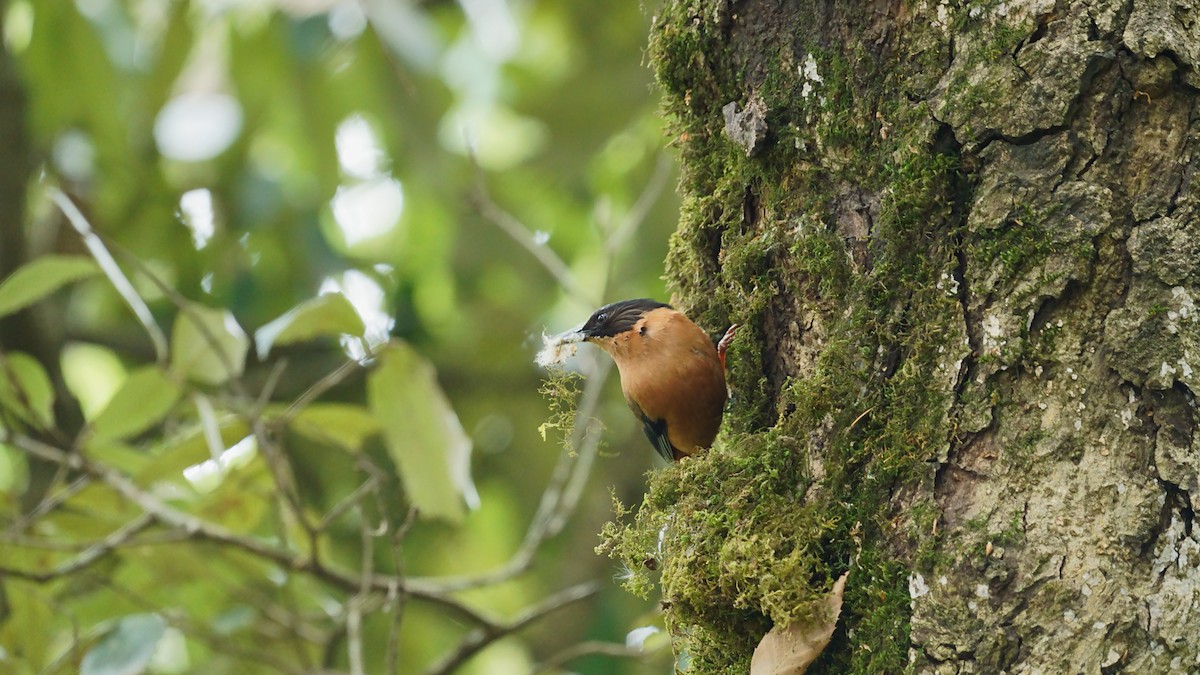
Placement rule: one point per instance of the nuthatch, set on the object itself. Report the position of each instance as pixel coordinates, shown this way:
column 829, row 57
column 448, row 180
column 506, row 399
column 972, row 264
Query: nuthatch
column 672, row 375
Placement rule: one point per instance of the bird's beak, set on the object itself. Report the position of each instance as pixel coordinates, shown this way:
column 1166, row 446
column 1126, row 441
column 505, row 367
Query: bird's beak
column 572, row 336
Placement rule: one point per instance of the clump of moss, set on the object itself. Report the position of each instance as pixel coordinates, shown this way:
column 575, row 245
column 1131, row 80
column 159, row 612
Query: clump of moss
column 723, row 530
column 561, row 387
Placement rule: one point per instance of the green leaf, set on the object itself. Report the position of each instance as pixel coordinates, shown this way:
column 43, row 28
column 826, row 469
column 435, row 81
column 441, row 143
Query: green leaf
column 339, row 423
column 174, row 47
column 326, row 315
column 121, row 456
column 94, row 508
column 36, row 280
column 142, row 401
column 237, row 495
column 127, row 649
column 208, row 345
column 14, row 470
column 422, row 433
column 65, row 41
column 26, row 389
column 28, row 641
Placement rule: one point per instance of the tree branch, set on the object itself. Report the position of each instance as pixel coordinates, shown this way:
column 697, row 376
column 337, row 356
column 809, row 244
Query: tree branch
column 90, row 555
column 521, row 234
column 559, row 498
column 488, row 633
column 112, row 270
column 575, row 651
column 201, row 529
column 641, row 208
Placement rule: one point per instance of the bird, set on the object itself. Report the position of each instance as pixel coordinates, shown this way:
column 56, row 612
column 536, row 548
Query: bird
column 672, row 374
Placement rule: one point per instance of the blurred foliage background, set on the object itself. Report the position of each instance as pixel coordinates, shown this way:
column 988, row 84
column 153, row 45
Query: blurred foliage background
column 422, row 159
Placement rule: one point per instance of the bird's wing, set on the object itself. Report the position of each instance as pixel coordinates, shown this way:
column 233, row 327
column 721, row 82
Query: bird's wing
column 655, row 430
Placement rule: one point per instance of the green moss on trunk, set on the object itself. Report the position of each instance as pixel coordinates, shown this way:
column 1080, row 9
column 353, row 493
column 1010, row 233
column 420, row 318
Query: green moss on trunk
column 845, row 216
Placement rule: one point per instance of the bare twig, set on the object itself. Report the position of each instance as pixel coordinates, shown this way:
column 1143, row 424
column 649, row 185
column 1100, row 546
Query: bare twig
column 586, row 439
column 268, row 388
column 559, row 498
column 354, row 638
column 289, row 621
column 354, row 609
column 284, row 478
column 350, row 501
column 314, row 392
column 200, row 632
column 487, row 634
column 288, row 560
column 641, row 208
column 113, row 271
column 589, row 648
column 396, row 600
column 209, row 425
column 181, row 303
column 90, row 555
column 51, row 501
column 521, row 234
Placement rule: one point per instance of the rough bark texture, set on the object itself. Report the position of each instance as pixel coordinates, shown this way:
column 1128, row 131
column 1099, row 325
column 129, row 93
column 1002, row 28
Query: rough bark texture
column 1085, row 442
column 964, row 240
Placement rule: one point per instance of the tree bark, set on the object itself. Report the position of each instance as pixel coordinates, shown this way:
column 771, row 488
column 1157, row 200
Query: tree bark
column 964, row 240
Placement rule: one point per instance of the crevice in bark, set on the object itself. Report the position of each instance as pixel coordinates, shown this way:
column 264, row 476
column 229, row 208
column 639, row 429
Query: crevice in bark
column 1122, row 246
column 1150, row 418
column 1095, row 66
column 1114, row 667
column 992, row 136
column 1175, row 501
column 1180, row 186
column 1052, row 305
column 968, row 366
column 1181, row 67
column 959, row 191
column 1123, row 22
column 750, row 209
column 960, row 194
column 1039, row 32
column 1087, row 165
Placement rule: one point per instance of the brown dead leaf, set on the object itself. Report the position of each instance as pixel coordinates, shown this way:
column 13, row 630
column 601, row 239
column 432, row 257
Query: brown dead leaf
column 790, row 650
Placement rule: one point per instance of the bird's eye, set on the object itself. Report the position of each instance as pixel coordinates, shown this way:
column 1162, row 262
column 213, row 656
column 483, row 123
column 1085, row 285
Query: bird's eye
column 602, row 317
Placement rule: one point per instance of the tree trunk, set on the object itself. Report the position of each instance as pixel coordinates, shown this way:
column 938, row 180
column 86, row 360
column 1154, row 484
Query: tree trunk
column 29, row 330
column 964, row 242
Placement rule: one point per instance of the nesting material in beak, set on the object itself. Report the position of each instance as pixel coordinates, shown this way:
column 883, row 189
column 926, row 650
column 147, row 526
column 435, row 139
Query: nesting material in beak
column 558, row 348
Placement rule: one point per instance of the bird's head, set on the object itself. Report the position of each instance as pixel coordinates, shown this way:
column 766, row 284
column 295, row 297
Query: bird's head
column 611, row 320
